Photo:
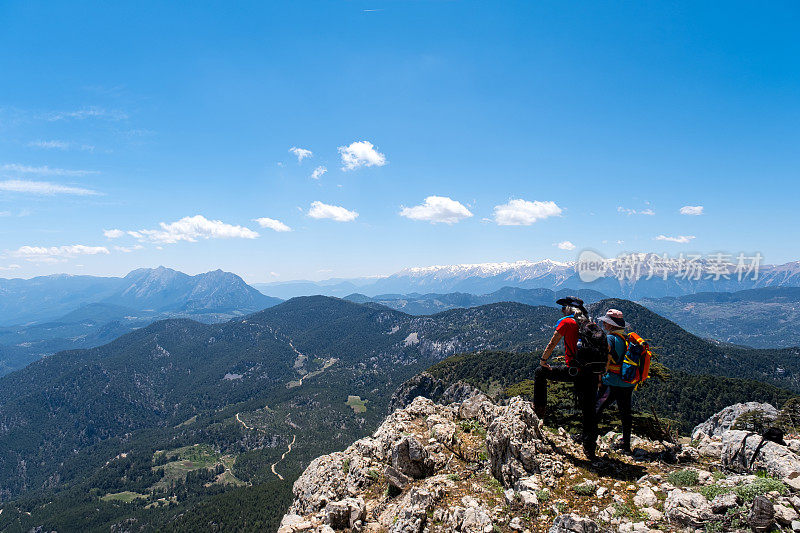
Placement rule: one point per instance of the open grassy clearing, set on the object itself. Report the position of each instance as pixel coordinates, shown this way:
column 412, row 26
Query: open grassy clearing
column 357, row 404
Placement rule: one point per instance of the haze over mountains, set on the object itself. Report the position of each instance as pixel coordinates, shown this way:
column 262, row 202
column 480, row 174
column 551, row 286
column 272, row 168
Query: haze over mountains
column 484, row 278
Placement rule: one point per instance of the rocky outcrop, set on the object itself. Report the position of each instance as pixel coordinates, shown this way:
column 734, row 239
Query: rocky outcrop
column 474, row 466
column 739, row 449
column 514, row 442
column 724, row 420
column 433, row 388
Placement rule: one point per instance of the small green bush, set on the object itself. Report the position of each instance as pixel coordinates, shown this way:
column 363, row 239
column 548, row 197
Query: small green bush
column 543, row 495
column 712, row 491
column 584, row 489
column 760, row 487
column 629, row 510
column 683, row 478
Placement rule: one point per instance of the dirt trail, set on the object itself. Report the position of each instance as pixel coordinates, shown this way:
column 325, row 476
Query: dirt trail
column 242, row 422
column 294, row 437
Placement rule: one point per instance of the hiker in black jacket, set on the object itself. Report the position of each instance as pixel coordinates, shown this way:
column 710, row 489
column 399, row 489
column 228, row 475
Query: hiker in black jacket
column 585, row 382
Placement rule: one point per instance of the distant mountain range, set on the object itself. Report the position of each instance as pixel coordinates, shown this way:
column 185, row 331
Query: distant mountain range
column 186, row 421
column 762, row 318
column 156, row 290
column 428, row 304
column 485, row 278
column 43, row 315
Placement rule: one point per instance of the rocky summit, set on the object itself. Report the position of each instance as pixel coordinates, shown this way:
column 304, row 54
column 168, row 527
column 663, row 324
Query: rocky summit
column 477, row 466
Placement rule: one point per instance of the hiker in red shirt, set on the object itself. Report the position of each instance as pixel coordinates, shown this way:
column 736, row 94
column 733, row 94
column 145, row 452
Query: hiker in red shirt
column 585, row 382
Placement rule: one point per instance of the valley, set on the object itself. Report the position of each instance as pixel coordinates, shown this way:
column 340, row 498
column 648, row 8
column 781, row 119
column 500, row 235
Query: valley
column 326, row 368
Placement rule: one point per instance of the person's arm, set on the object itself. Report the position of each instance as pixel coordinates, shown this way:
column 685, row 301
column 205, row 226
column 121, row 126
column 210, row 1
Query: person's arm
column 549, row 350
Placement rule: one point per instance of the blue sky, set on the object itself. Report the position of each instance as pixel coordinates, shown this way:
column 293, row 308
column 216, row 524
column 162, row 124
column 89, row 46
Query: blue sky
column 531, row 124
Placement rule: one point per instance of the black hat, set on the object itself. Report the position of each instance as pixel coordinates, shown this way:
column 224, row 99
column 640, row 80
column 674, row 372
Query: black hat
column 570, row 301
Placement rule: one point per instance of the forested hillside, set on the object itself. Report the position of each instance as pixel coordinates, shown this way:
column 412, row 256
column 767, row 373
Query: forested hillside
column 182, row 424
column 83, row 429
column 763, row 318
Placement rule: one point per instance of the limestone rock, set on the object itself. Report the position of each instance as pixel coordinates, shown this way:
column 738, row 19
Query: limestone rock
column 687, row 508
column 738, row 448
column 720, row 504
column 411, row 458
column 511, row 442
column 572, row 523
column 785, row 515
column 645, row 497
column 346, row 513
column 723, row 421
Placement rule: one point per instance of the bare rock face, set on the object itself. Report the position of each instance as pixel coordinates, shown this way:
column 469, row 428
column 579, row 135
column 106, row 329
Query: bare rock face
column 720, row 504
column 411, row 458
column 345, row 514
column 513, row 441
column 762, row 515
column 477, row 467
column 433, row 388
column 739, row 447
column 572, row 523
column 723, row 421
column 687, row 508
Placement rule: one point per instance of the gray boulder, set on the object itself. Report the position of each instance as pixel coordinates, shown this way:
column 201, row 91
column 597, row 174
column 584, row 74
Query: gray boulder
column 723, row 421
column 762, row 515
column 720, row 504
column 411, row 458
column 345, row 514
column 572, row 523
column 687, row 508
column 513, row 442
column 738, row 448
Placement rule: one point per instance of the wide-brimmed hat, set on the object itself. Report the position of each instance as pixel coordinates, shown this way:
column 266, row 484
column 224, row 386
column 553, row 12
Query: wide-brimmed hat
column 570, row 301
column 613, row 317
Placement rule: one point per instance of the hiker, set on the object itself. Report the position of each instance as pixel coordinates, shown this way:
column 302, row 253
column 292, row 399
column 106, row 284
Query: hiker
column 585, row 381
column 612, row 387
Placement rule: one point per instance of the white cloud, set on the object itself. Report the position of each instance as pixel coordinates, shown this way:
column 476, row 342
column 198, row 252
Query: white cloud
column 10, row 267
column 54, row 254
column 333, row 212
column 43, row 187
column 43, row 170
column 318, row 172
column 86, row 112
column 682, row 239
column 113, row 233
column 191, row 229
column 437, row 209
column 58, row 145
column 626, row 211
column 128, row 249
column 524, row 213
column 272, row 224
column 692, row 210
column 301, row 153
column 361, row 154
column 565, row 245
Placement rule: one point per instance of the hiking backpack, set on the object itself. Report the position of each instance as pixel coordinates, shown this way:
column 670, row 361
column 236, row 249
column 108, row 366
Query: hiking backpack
column 592, row 350
column 635, row 365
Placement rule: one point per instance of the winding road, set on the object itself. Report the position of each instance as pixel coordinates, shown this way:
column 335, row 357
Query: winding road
column 294, row 437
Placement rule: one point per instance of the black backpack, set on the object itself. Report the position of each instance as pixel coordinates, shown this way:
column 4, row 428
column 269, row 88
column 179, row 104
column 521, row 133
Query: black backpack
column 592, row 352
